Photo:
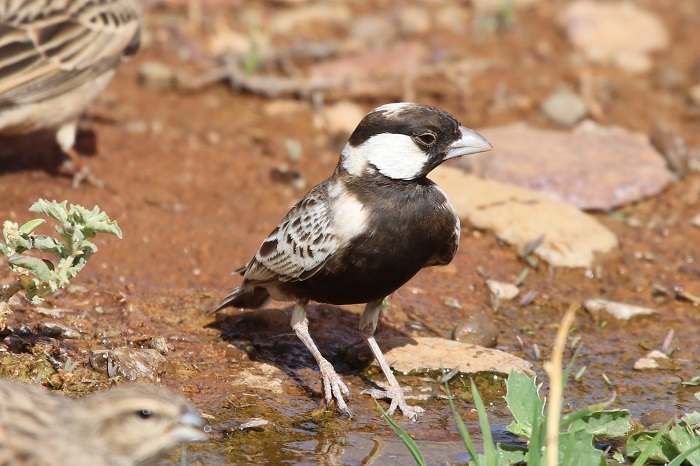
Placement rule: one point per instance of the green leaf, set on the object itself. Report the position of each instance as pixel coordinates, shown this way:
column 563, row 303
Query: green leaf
column 650, row 446
column 576, row 449
column 34, row 265
column 511, row 454
column 95, row 221
column 51, row 209
column 523, row 400
column 683, row 439
column 50, row 245
column 678, row 460
column 610, row 424
column 31, row 225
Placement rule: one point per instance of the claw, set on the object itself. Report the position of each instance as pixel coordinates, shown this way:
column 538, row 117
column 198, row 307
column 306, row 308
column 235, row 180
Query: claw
column 398, row 400
column 334, row 389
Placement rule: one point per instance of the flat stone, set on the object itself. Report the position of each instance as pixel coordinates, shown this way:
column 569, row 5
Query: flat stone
column 406, row 355
column 518, row 216
column 130, row 363
column 619, row 33
column 591, row 167
column 502, row 290
column 620, row 311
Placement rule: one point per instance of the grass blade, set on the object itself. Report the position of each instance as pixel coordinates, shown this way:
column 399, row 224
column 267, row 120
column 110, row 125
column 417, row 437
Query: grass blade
column 489, row 447
column 463, row 432
column 407, row 440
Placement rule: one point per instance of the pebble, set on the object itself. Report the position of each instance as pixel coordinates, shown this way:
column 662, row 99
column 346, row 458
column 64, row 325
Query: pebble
column 618, row 310
column 159, row 344
column 695, row 221
column 518, row 216
column 477, row 329
column 156, row 75
column 56, row 330
column 654, row 360
column 339, row 119
column 564, row 108
column 694, row 94
column 592, row 167
column 130, row 363
column 503, row 291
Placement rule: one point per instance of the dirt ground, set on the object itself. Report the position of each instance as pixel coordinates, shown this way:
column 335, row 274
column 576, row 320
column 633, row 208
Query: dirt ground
column 193, row 178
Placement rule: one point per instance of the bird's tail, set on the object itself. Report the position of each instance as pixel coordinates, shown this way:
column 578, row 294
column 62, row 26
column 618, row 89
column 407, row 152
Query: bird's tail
column 248, row 298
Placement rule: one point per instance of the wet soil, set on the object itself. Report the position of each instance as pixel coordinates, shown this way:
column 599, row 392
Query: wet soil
column 191, row 181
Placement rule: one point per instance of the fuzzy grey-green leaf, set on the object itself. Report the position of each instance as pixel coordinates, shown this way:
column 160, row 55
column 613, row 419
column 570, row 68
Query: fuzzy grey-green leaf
column 31, row 225
column 34, row 265
column 51, row 209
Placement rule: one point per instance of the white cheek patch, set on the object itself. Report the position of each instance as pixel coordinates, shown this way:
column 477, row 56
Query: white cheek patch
column 353, row 160
column 394, row 155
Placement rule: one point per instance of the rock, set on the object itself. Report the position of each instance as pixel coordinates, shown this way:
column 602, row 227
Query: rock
column 592, row 167
column 504, row 291
column 654, row 360
column 305, row 18
column 130, row 363
column 620, row 311
column 696, row 221
column 156, row 75
column 262, row 376
column 56, row 330
column 619, row 33
column 564, row 108
column 339, row 119
column 454, row 18
column 402, row 60
column 159, row 344
column 414, row 20
column 496, row 6
column 376, row 30
column 406, row 355
column 477, row 329
column 694, row 94
column 230, row 427
column 518, row 215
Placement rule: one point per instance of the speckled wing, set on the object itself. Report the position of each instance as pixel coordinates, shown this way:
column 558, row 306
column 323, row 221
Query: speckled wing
column 49, row 47
column 300, row 245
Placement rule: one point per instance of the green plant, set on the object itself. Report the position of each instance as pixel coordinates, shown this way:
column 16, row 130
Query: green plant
column 40, row 277
column 556, row 439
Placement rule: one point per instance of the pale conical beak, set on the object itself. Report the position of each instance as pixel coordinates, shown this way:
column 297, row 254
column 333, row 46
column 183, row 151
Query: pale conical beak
column 190, row 428
column 471, row 142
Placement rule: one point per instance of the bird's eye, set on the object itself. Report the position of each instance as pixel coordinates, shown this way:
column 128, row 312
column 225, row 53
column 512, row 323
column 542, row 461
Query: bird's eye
column 144, row 413
column 427, row 138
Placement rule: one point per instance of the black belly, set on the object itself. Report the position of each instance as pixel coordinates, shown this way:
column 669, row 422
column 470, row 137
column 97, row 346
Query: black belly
column 375, row 265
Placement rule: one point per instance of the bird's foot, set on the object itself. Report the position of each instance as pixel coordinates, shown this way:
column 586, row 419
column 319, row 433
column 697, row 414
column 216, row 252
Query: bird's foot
column 80, row 172
column 398, row 400
column 334, row 389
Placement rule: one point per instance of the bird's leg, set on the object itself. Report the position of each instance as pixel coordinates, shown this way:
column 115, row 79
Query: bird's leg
column 65, row 137
column 333, row 386
column 368, row 324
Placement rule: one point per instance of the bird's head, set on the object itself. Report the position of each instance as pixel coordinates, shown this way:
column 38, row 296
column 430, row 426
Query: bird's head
column 405, row 141
column 140, row 421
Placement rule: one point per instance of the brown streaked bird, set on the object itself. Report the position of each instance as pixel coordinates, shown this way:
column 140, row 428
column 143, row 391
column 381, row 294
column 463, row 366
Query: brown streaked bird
column 365, row 231
column 56, row 56
column 129, row 425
